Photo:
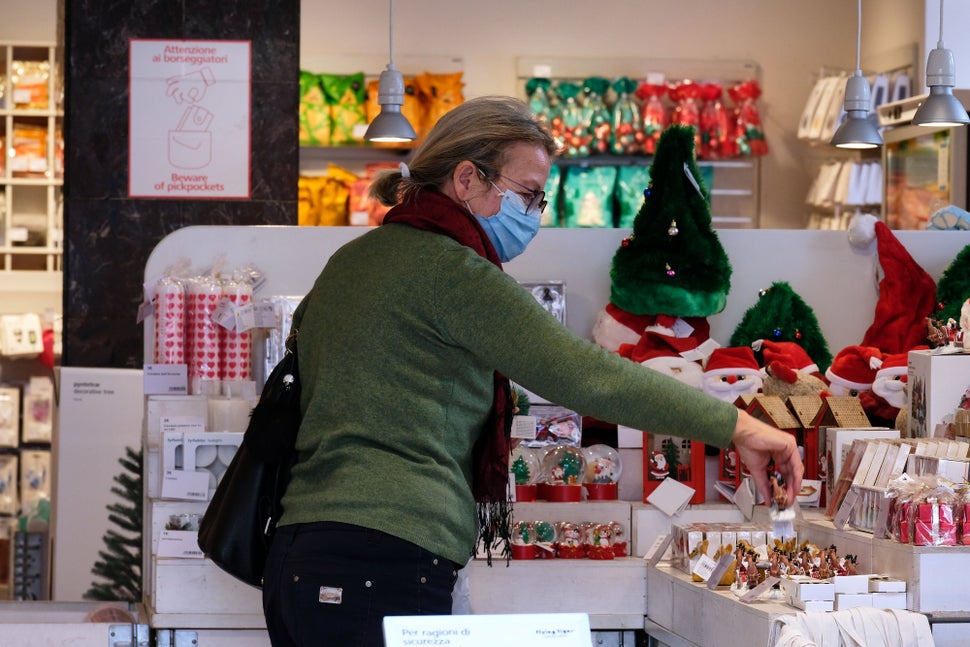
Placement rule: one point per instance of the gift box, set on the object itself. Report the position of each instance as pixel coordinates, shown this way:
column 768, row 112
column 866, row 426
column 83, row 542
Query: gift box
column 934, row 525
column 936, row 386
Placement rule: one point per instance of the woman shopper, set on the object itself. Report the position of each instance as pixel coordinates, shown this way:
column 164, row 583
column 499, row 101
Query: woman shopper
column 405, row 342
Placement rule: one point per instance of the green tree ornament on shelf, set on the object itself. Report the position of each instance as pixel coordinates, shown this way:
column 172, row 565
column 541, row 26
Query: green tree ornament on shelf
column 672, row 453
column 673, row 262
column 521, row 470
column 781, row 315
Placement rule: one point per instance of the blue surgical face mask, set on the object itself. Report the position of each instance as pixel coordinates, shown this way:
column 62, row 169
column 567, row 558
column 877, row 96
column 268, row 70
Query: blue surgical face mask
column 512, row 228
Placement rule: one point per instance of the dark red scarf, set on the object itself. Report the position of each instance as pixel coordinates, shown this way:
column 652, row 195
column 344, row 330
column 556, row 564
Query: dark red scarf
column 432, row 211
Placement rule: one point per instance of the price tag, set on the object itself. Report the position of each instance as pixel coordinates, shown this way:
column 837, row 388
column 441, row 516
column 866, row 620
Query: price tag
column 224, row 315
column 179, row 543
column 659, row 548
column 845, row 510
column 264, row 314
column 245, row 317
column 166, row 379
column 188, row 486
column 723, row 564
column 524, row 427
column 704, row 567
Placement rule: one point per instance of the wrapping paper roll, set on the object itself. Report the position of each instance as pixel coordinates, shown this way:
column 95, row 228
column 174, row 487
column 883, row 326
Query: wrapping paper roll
column 202, row 334
column 235, row 346
column 169, row 322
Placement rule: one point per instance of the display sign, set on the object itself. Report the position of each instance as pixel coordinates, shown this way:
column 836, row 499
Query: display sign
column 484, row 630
column 188, row 122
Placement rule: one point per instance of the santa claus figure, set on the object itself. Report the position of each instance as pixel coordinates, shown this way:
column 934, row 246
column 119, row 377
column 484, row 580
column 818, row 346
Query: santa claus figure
column 658, row 465
column 889, row 394
column 731, row 372
column 853, row 370
column 677, row 357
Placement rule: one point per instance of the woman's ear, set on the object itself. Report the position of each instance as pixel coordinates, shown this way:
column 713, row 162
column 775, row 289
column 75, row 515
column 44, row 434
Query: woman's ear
column 465, row 179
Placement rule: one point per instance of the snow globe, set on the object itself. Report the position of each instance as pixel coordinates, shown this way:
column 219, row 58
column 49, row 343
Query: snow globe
column 545, row 542
column 526, row 467
column 603, row 470
column 599, row 541
column 569, row 541
column 524, row 540
column 563, row 467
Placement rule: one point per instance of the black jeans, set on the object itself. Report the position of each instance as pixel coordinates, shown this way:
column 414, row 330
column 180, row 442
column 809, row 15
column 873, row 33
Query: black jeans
column 331, row 584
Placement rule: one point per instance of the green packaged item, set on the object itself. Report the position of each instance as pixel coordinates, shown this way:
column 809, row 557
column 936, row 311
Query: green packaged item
column 631, row 181
column 627, row 126
column 315, row 116
column 347, row 95
column 588, row 196
column 596, row 115
column 573, row 137
column 550, row 215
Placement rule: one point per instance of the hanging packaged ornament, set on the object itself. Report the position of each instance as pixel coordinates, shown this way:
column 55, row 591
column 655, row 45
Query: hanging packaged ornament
column 628, row 134
column 574, row 139
column 687, row 112
column 715, row 126
column 749, row 133
column 654, row 115
column 596, row 115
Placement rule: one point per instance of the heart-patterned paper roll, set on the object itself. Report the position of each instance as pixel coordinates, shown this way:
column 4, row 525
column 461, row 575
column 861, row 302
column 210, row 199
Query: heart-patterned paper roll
column 235, row 346
column 202, row 296
column 169, row 322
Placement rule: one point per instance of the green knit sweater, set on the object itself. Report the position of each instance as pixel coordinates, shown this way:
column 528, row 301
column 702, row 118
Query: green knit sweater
column 398, row 341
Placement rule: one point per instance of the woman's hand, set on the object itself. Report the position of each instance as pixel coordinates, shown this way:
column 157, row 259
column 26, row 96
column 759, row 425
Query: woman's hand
column 759, row 444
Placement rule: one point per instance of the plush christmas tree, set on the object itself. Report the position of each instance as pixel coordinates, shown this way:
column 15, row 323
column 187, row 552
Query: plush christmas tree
column 782, row 315
column 953, row 288
column 673, row 262
column 120, row 563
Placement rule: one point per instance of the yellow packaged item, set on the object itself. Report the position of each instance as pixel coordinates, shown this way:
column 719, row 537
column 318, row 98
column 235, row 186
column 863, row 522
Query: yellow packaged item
column 28, row 150
column 28, row 82
column 439, row 93
column 335, row 196
column 308, row 200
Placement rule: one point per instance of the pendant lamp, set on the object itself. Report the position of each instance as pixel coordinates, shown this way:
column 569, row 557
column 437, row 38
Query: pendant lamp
column 857, row 131
column 390, row 125
column 941, row 108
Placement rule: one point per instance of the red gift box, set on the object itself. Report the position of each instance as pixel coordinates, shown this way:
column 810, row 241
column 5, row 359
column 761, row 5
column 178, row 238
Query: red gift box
column 934, row 525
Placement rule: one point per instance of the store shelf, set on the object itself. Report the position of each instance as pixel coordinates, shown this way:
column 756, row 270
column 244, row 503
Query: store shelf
column 31, row 173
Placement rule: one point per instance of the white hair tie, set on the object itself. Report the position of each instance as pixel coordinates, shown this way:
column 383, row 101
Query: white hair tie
column 405, row 171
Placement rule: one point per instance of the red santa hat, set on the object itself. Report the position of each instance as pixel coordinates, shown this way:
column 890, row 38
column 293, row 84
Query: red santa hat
column 732, row 360
column 615, row 327
column 907, row 294
column 854, row 367
column 786, row 353
column 657, row 346
column 893, row 365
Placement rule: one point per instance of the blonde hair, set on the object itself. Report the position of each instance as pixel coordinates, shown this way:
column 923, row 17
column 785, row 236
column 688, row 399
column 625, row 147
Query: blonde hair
column 479, row 130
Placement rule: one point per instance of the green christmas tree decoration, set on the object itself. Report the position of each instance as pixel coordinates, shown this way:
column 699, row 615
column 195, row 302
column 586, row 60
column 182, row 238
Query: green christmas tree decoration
column 953, row 288
column 673, row 263
column 781, row 315
column 521, row 471
column 119, row 565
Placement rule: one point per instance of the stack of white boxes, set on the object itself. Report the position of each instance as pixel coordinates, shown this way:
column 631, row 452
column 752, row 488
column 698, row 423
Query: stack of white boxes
column 844, row 592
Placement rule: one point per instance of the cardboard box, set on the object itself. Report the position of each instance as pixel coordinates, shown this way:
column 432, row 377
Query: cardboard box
column 851, row 584
column 837, row 443
column 806, row 588
column 937, row 383
column 886, row 585
column 814, row 605
column 889, row 600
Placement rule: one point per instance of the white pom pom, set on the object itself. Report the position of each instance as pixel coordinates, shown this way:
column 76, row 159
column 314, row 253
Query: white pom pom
column 862, row 230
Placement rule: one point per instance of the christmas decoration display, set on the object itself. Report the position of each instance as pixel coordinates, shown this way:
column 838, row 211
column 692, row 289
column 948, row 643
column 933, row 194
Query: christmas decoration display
column 574, row 138
column 667, row 354
column 907, row 294
column 687, row 112
column 526, row 468
column 538, row 91
column 673, row 262
column 524, row 538
column 731, row 372
column 563, row 468
column 780, row 314
column 887, row 398
column 789, row 371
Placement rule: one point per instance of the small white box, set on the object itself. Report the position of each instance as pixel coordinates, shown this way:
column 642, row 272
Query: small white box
column 888, row 600
column 849, row 600
column 886, row 585
column 814, row 605
column 851, row 584
column 936, row 384
column 807, row 588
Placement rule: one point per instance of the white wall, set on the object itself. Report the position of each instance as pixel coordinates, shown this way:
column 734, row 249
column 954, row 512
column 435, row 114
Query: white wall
column 34, row 21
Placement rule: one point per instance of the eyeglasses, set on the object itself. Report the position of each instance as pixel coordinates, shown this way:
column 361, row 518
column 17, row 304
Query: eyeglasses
column 535, row 199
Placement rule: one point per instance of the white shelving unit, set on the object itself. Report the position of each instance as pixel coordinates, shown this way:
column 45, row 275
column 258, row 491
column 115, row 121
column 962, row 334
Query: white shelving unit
column 32, row 171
